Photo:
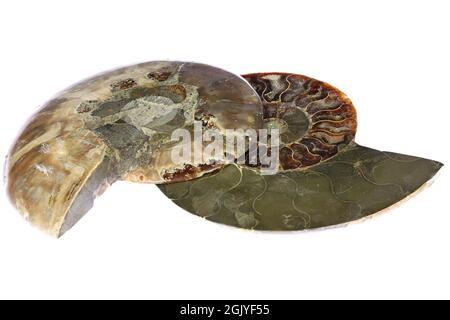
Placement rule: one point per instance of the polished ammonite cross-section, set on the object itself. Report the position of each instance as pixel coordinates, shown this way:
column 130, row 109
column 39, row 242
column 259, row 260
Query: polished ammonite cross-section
column 118, row 126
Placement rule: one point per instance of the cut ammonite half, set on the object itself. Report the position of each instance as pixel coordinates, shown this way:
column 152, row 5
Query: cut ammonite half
column 118, row 125
column 325, row 178
column 315, row 120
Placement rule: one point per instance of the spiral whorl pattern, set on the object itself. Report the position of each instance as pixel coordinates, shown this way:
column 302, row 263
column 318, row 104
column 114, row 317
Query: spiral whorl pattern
column 315, row 119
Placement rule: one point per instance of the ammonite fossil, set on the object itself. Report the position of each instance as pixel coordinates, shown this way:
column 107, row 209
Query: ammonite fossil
column 325, row 178
column 118, row 126
column 315, row 120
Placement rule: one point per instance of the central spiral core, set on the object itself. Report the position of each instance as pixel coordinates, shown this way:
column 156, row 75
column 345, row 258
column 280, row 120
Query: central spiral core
column 292, row 126
column 274, row 123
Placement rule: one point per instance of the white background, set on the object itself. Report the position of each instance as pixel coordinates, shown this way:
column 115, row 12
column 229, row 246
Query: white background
column 390, row 57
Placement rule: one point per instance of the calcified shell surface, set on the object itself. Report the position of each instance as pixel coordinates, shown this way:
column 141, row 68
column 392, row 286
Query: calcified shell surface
column 118, row 125
column 358, row 182
column 325, row 178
